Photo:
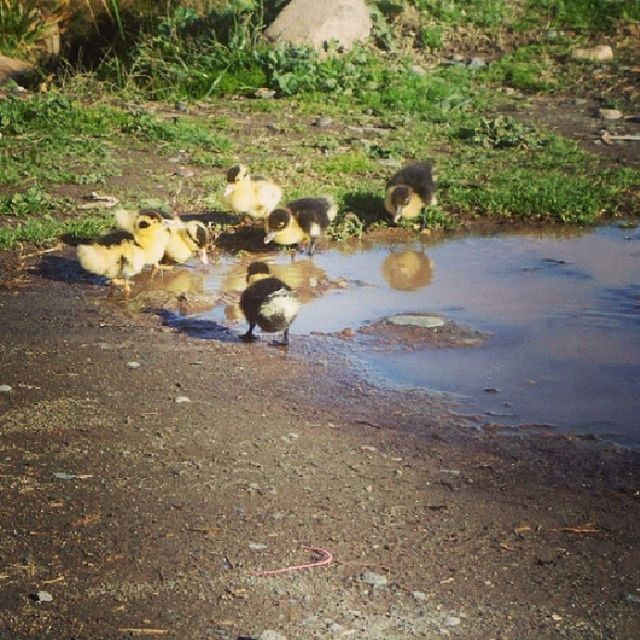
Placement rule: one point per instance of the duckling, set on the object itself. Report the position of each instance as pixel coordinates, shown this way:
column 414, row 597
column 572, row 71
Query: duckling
column 255, row 196
column 185, row 238
column 115, row 255
column 306, row 218
column 151, row 234
column 411, row 189
column 267, row 302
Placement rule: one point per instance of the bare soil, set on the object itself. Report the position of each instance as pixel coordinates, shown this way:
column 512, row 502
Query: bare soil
column 142, row 514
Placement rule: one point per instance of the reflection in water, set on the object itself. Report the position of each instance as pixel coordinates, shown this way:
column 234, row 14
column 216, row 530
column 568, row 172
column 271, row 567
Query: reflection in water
column 305, row 277
column 563, row 310
column 407, row 270
column 174, row 280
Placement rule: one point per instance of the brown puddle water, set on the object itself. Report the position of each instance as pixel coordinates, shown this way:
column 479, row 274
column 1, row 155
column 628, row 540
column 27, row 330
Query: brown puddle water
column 562, row 313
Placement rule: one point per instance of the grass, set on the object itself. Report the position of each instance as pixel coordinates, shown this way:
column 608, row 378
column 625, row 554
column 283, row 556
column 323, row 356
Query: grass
column 115, row 129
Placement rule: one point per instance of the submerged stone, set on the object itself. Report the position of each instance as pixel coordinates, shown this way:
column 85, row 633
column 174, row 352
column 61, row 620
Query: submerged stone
column 417, row 320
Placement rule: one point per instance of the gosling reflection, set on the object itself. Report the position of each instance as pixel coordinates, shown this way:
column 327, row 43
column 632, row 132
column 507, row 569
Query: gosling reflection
column 305, row 277
column 176, row 281
column 407, row 270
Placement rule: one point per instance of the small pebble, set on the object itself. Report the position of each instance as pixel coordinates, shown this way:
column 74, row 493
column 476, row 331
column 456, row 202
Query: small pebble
column 42, row 596
column 594, row 54
column 610, row 114
column 375, row 579
column 264, row 93
column 257, row 546
column 452, row 621
column 181, row 399
column 323, row 121
column 5, row 388
column 132, row 364
column 269, row 634
column 419, row 596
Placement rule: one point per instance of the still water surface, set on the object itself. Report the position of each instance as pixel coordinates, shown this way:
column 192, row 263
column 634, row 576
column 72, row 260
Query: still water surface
column 563, row 312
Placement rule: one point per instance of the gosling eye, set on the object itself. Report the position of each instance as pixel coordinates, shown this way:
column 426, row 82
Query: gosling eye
column 144, row 224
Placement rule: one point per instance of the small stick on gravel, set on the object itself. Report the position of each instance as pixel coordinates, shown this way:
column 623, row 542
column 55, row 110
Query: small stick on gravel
column 326, row 558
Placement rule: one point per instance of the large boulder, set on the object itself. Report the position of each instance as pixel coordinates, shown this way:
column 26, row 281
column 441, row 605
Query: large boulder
column 317, row 22
column 12, row 69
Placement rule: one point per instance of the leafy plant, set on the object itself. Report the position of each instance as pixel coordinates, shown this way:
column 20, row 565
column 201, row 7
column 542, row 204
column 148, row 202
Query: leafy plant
column 33, row 200
column 501, row 132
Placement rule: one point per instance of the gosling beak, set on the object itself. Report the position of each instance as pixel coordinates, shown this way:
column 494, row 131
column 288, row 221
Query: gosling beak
column 228, row 190
column 204, row 258
column 269, row 237
column 398, row 215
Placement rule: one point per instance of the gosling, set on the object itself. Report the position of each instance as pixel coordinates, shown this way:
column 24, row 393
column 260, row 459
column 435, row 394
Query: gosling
column 410, row 190
column 267, row 302
column 301, row 220
column 254, row 196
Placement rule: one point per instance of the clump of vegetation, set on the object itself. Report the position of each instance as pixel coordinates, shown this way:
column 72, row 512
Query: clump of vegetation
column 346, row 226
column 25, row 23
column 502, row 132
column 33, row 200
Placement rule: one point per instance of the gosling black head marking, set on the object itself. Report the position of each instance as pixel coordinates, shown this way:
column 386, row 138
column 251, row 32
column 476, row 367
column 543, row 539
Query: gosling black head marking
column 278, row 219
column 234, row 173
column 256, row 268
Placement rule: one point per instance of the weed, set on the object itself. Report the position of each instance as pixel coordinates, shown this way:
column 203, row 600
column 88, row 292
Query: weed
column 503, row 132
column 346, row 226
column 33, row 200
column 528, row 68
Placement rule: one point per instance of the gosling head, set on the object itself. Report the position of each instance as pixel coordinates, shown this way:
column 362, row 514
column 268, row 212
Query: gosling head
column 237, row 173
column 199, row 235
column 400, row 197
column 147, row 219
column 278, row 220
column 257, row 271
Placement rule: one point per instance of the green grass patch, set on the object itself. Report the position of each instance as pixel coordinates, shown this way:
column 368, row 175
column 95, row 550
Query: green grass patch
column 47, row 229
column 529, row 68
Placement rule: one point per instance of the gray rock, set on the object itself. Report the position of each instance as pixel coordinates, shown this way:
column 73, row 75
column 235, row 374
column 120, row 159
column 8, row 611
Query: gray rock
column 419, row 596
column 392, row 163
column 132, row 364
column 269, row 634
column 417, row 320
column 375, row 579
column 476, row 63
column 182, row 399
column 43, row 596
column 452, row 621
column 418, row 70
column 609, row 114
column 323, row 121
column 5, row 388
column 313, row 23
column 257, row 546
column 265, row 93
column 599, row 53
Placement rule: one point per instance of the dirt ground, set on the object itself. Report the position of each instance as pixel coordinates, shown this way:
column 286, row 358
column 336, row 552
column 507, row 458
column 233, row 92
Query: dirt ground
column 147, row 473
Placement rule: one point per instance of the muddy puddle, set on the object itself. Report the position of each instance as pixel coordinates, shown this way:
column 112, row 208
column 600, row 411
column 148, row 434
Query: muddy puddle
column 522, row 329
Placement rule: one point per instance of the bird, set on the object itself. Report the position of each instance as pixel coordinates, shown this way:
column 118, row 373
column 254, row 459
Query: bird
column 115, row 255
column 306, row 218
column 411, row 189
column 252, row 195
column 267, row 302
column 184, row 239
column 151, row 234
column 187, row 239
